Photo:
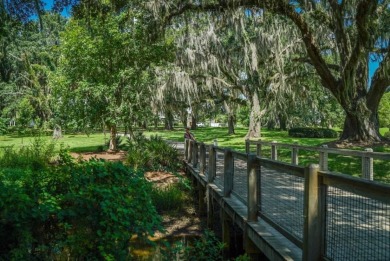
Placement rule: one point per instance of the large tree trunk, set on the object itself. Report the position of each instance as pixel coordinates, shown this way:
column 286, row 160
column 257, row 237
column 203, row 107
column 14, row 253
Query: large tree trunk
column 254, row 130
column 361, row 122
column 113, row 142
column 360, row 126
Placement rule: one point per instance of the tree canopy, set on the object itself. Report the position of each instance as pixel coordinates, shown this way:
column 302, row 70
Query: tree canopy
column 292, row 62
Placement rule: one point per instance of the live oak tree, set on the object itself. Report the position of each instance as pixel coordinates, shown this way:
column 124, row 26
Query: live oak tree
column 247, row 61
column 340, row 39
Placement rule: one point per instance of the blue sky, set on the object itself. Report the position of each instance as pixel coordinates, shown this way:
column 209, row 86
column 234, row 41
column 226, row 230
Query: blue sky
column 49, row 5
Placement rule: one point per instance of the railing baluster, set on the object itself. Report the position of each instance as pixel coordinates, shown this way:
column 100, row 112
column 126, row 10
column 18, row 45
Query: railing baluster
column 190, row 151
column 258, row 148
column 324, row 158
column 294, row 154
column 202, row 154
column 228, row 173
column 212, row 164
column 313, row 235
column 253, row 168
column 195, row 155
column 274, row 150
column 367, row 165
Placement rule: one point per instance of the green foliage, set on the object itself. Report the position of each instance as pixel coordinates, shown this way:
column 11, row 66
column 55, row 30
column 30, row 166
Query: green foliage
column 312, row 133
column 3, row 126
column 83, row 211
column 151, row 154
column 244, row 257
column 387, row 135
column 36, row 155
column 109, row 203
column 208, row 247
column 383, row 111
column 169, row 198
column 243, row 115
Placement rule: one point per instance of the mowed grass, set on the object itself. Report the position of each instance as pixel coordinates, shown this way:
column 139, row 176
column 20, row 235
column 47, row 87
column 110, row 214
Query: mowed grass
column 75, row 143
column 338, row 163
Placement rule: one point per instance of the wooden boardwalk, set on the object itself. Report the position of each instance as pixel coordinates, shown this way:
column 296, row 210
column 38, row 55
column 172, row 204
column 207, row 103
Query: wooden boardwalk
column 351, row 220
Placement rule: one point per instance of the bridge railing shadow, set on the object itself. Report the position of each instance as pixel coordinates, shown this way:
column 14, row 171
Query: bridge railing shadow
column 328, row 215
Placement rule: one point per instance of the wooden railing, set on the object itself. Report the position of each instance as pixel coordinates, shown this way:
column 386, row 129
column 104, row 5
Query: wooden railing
column 317, row 187
column 367, row 156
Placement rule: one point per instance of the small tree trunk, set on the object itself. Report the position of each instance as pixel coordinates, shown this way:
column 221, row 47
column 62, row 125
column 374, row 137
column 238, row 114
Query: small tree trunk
column 254, row 130
column 282, row 122
column 168, row 121
column 193, row 122
column 230, row 124
column 113, row 144
column 231, row 117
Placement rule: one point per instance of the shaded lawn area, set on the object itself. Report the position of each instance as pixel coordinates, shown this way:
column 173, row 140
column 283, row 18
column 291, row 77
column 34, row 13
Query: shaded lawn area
column 337, row 163
column 349, row 165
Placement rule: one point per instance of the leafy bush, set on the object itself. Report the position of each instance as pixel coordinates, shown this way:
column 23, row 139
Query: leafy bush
column 312, row 133
column 85, row 211
column 208, row 247
column 171, row 197
column 387, row 135
column 151, row 154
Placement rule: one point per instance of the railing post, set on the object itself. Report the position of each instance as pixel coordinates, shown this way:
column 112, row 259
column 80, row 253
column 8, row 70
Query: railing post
column 228, row 173
column 191, row 144
column 195, row 155
column 367, row 165
column 186, row 141
column 212, row 164
column 247, row 146
column 324, row 158
column 253, row 168
column 294, row 154
column 202, row 155
column 313, row 219
column 258, row 148
column 274, row 151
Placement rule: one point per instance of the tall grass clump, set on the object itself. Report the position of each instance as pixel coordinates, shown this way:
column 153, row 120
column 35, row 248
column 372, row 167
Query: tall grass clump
column 172, row 197
column 151, row 154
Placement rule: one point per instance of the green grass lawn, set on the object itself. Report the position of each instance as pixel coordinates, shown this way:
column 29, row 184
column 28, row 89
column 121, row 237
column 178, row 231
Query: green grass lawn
column 76, row 143
column 348, row 165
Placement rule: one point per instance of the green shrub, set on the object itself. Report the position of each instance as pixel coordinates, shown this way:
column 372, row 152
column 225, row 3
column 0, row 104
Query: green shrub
column 312, row 133
column 86, row 211
column 168, row 198
column 208, row 247
column 151, row 154
column 387, row 135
